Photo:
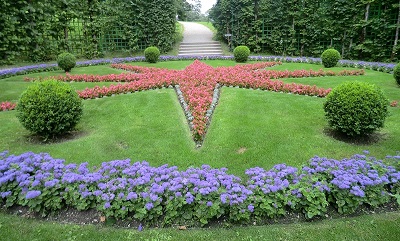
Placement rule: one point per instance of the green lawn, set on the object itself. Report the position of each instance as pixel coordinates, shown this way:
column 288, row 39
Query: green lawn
column 249, row 128
column 374, row 227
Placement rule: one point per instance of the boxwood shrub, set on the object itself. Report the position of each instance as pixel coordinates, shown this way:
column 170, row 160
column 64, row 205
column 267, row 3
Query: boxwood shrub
column 49, row 108
column 241, row 54
column 396, row 73
column 330, row 58
column 356, row 108
column 152, row 54
column 66, row 61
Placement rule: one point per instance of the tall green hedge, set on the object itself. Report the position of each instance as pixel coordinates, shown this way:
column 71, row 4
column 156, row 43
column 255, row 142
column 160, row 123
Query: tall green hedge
column 357, row 29
column 39, row 30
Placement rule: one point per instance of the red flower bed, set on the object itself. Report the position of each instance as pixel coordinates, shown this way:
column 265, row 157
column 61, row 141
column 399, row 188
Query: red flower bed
column 198, row 80
column 7, row 106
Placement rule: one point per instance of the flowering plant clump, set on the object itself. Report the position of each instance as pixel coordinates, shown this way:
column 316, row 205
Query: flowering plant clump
column 394, row 103
column 6, row 105
column 165, row 195
column 355, row 181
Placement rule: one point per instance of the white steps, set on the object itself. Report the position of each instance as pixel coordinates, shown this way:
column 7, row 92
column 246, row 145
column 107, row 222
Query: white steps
column 200, row 48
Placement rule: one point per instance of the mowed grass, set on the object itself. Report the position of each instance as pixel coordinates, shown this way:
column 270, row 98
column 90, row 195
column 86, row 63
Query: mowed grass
column 249, row 128
column 374, row 227
column 11, row 88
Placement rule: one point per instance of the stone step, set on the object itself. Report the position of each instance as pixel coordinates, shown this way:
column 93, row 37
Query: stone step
column 200, row 48
column 201, row 54
column 200, row 43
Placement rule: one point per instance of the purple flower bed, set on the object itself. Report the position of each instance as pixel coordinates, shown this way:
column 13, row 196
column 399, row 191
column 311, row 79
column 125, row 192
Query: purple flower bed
column 166, row 195
column 383, row 67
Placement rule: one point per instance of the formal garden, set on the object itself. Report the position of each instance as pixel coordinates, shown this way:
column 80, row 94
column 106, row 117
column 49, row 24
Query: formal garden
column 163, row 147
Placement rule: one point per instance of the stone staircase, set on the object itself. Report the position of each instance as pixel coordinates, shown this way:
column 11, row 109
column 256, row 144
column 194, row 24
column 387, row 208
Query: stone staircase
column 200, row 48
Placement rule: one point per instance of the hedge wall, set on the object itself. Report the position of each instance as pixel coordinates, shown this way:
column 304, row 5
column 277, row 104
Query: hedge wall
column 365, row 29
column 37, row 30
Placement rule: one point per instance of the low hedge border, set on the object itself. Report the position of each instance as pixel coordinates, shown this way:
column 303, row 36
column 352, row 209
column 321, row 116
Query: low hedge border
column 383, row 67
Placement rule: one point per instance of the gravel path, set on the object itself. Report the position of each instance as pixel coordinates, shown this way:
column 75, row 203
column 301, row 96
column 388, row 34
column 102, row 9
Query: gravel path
column 195, row 32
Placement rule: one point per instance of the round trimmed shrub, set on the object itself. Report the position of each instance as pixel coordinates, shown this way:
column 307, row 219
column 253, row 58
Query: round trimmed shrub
column 66, row 61
column 396, row 73
column 241, row 53
column 330, row 58
column 356, row 108
column 49, row 108
column 152, row 54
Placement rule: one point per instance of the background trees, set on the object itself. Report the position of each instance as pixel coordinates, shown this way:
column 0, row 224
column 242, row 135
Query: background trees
column 365, row 29
column 39, row 30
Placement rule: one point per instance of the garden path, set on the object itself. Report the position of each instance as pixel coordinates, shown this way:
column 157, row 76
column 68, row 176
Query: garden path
column 198, row 40
column 195, row 32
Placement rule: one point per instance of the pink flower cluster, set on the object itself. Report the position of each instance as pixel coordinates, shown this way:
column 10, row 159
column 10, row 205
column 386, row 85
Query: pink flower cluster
column 7, row 106
column 123, row 77
column 133, row 68
column 277, row 74
column 198, row 80
column 394, row 103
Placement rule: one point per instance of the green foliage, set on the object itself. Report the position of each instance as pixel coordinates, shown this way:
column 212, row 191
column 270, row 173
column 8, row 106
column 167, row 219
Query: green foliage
column 356, row 108
column 330, row 58
column 38, row 30
column 155, row 20
column 66, row 61
column 308, row 27
column 241, row 54
column 152, row 54
column 396, row 73
column 49, row 108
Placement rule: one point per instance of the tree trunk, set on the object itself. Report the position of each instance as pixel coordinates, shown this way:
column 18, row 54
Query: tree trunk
column 364, row 31
column 255, row 20
column 396, row 37
column 343, row 40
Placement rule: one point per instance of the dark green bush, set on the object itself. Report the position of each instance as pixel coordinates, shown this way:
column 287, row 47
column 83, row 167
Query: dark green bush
column 66, row 61
column 152, row 54
column 356, row 108
column 330, row 58
column 49, row 108
column 241, row 54
column 396, row 73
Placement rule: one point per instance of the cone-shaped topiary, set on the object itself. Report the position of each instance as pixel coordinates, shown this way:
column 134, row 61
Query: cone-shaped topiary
column 396, row 73
column 49, row 108
column 152, row 54
column 356, row 108
column 330, row 58
column 66, row 61
column 241, row 54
